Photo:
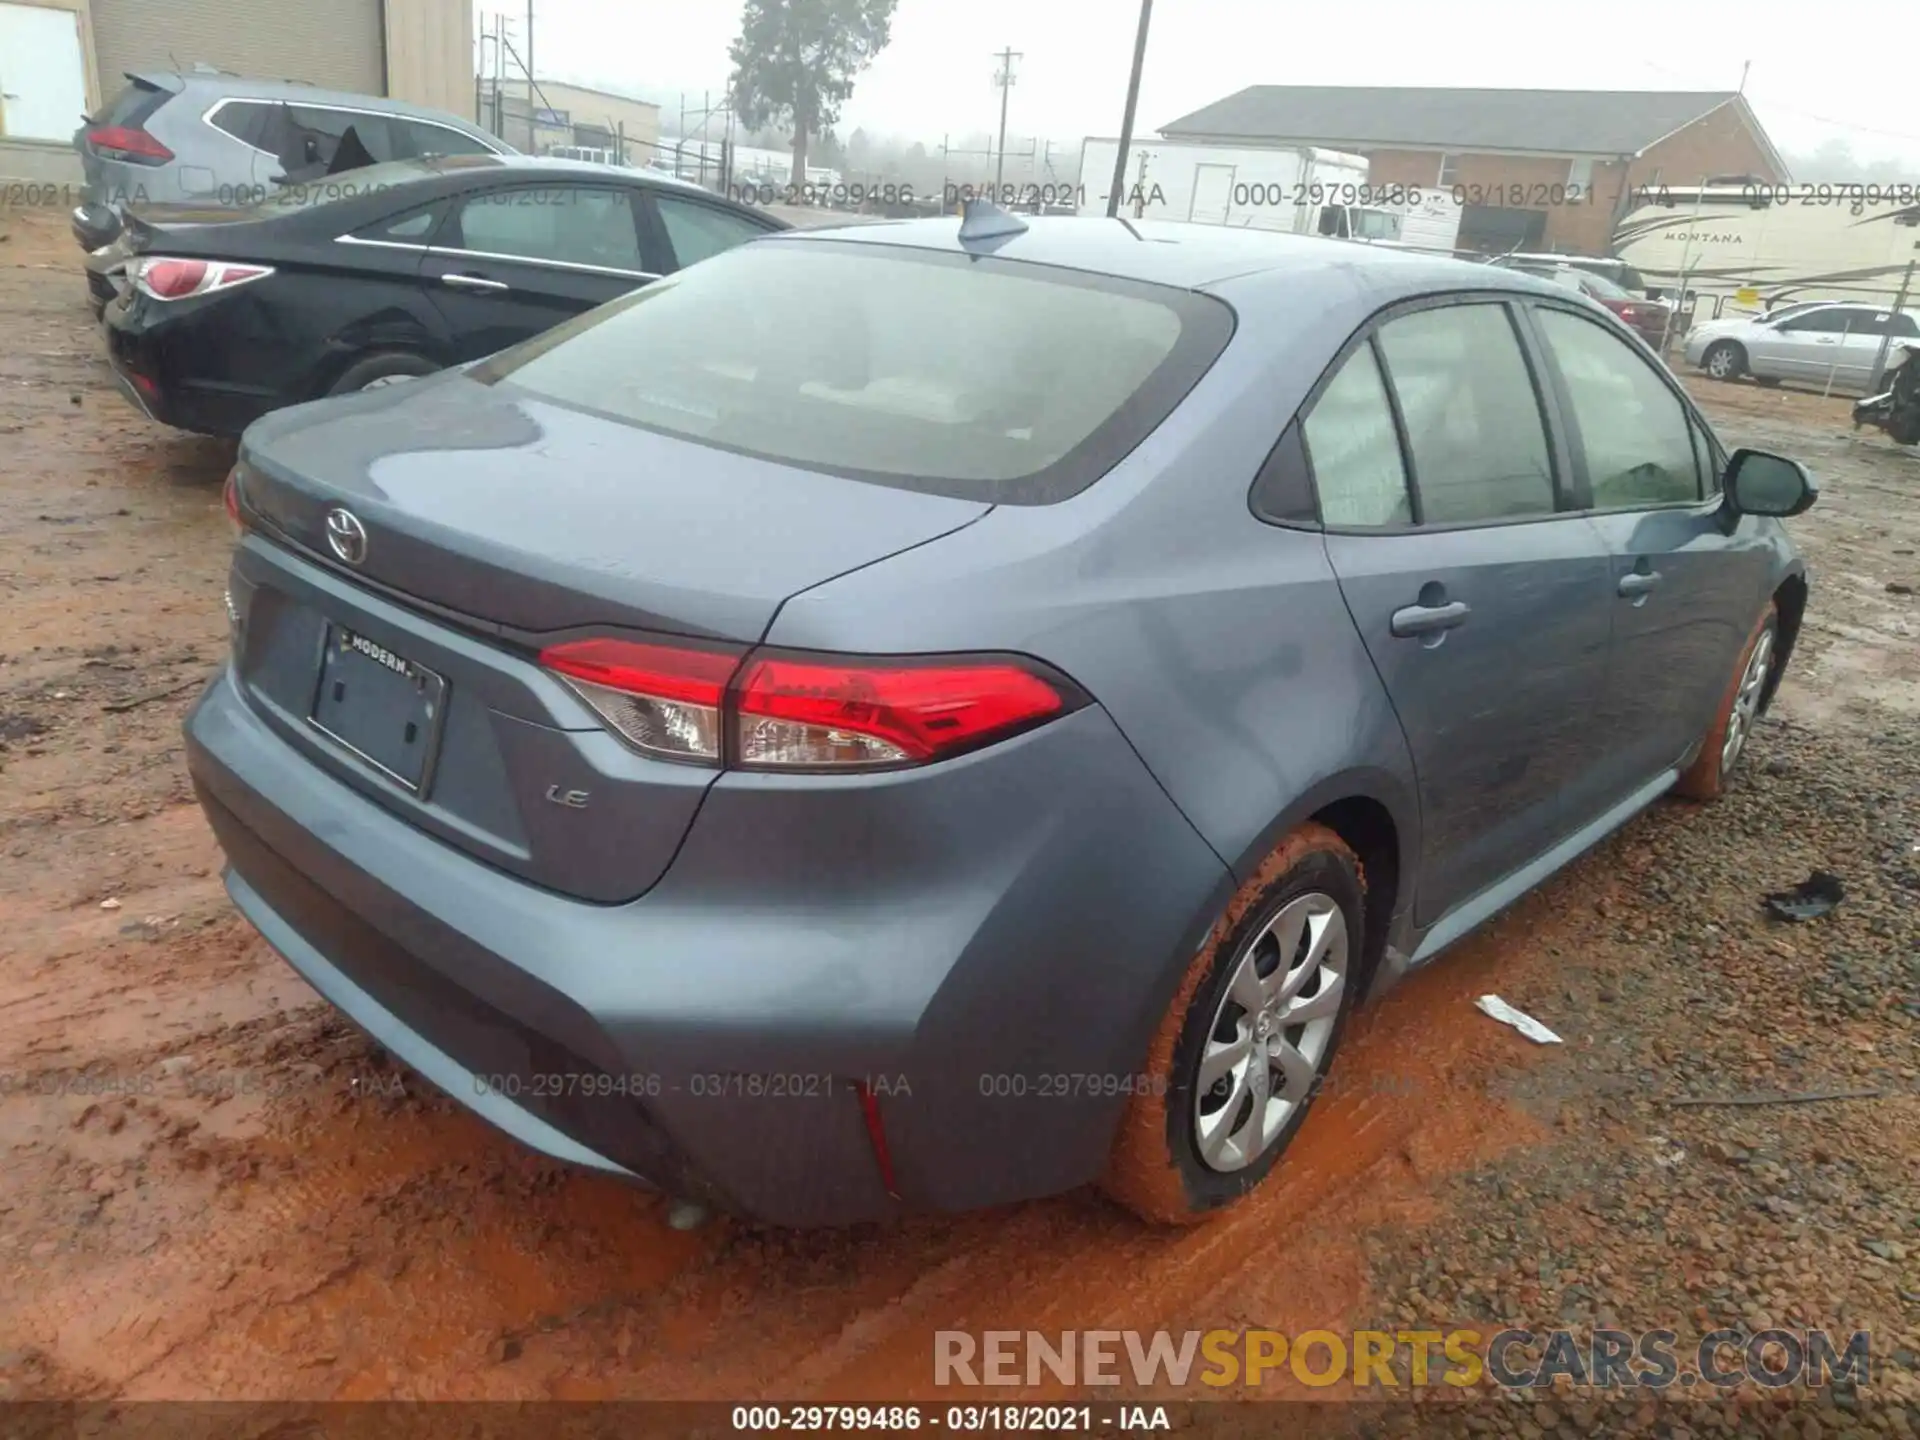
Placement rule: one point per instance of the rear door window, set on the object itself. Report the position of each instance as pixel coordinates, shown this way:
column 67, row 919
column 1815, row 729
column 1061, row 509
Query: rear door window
column 1477, row 438
column 306, row 139
column 1631, row 429
column 569, row 224
column 414, row 138
column 1831, row 321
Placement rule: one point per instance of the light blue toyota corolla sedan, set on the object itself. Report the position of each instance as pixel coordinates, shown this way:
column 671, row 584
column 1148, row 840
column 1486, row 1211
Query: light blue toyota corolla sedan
column 919, row 716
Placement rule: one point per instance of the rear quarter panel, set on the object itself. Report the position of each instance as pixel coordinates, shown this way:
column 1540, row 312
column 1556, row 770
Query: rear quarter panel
column 1218, row 643
column 328, row 304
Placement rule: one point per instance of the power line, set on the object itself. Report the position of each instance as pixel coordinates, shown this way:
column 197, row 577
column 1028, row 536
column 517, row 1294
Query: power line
column 1004, row 79
column 1753, row 99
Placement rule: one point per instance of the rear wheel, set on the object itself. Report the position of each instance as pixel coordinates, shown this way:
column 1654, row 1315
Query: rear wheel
column 1726, row 742
column 1724, row 360
column 1240, row 1055
column 374, row 372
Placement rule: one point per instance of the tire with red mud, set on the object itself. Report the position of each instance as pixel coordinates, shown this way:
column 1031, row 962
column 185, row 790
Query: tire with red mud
column 1726, row 740
column 1276, row 979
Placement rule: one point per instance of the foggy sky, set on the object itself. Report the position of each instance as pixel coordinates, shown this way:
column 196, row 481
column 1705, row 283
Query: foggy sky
column 1810, row 82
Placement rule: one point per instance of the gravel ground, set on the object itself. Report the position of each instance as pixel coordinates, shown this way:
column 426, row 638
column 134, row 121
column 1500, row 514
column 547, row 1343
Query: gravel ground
column 272, row 1210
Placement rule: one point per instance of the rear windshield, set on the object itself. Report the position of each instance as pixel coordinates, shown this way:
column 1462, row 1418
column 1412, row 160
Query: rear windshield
column 347, row 185
column 134, row 105
column 926, row 370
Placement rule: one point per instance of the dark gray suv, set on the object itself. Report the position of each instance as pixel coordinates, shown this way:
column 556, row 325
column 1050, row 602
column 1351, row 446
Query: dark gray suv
column 892, row 718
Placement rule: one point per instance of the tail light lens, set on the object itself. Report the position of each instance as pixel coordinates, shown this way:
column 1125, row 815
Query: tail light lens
column 663, row 700
column 810, row 714
column 807, row 712
column 230, row 497
column 169, row 279
column 126, row 142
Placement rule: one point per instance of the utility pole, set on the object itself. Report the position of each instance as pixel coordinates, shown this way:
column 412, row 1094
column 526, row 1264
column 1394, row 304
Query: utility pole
column 1886, row 340
column 1004, row 79
column 1133, row 100
column 530, row 57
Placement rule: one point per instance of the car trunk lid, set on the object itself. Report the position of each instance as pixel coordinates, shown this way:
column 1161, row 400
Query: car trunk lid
column 537, row 517
column 486, row 525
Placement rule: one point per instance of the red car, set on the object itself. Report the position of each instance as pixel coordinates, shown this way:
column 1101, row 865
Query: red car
column 1647, row 317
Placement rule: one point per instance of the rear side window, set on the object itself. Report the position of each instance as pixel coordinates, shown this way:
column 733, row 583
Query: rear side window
column 412, row 227
column 244, row 120
column 698, row 231
column 1354, row 451
column 1632, row 430
column 576, row 225
column 957, row 374
column 1474, row 427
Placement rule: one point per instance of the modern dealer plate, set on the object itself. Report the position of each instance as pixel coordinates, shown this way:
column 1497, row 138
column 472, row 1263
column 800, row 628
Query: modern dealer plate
column 381, row 706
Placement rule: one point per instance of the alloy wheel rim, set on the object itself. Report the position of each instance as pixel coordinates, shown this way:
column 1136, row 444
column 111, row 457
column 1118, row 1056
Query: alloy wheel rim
column 1271, row 1033
column 1719, row 364
column 1746, row 701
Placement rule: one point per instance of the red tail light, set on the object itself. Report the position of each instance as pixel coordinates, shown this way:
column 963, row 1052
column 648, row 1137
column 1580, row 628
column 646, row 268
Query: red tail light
column 664, row 700
column 823, row 714
column 168, row 279
column 805, row 712
column 230, row 497
column 122, row 142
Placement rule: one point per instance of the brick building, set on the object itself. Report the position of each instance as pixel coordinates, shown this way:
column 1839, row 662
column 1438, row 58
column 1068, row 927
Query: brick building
column 1533, row 169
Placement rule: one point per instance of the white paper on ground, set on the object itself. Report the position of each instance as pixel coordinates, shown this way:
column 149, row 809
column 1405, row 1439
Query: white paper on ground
column 1528, row 1026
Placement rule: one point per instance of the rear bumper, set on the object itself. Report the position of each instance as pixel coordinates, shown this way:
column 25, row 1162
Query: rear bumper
column 987, row 945
column 94, row 225
column 155, row 365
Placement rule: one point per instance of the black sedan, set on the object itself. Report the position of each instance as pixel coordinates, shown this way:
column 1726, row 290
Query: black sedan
column 216, row 316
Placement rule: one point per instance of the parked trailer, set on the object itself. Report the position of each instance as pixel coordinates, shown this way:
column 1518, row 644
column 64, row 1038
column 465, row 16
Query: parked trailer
column 1783, row 242
column 1302, row 190
column 1259, row 189
column 1410, row 220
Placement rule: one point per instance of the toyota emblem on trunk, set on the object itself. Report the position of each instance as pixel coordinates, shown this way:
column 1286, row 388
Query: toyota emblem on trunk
column 346, row 536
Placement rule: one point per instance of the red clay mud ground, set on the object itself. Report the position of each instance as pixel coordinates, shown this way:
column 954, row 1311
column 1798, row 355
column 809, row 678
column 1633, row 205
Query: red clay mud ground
column 210, row 1187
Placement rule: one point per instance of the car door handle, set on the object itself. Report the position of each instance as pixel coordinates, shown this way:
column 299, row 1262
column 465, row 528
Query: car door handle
column 1429, row 619
column 474, row 282
column 1639, row 582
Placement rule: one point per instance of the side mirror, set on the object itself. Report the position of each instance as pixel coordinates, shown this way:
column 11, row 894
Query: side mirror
column 1758, row 483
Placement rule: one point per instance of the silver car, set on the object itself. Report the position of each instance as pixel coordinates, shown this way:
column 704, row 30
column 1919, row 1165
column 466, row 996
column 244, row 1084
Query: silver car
column 201, row 136
column 1819, row 344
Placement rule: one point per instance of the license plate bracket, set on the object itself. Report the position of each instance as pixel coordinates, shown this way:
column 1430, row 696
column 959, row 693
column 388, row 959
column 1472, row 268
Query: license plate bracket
column 382, row 707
